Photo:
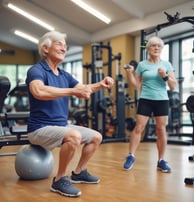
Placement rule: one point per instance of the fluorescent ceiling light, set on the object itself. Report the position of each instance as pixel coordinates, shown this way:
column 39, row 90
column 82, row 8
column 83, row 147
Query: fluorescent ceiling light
column 92, row 11
column 26, row 36
column 30, row 17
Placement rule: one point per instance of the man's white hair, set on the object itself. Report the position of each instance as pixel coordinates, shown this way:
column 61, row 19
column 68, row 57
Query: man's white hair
column 47, row 40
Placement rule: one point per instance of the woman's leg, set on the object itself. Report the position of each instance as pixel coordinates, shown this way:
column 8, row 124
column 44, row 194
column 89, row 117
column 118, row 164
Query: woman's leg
column 161, row 122
column 136, row 134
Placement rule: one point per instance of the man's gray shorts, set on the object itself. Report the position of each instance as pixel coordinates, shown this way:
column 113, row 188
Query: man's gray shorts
column 52, row 136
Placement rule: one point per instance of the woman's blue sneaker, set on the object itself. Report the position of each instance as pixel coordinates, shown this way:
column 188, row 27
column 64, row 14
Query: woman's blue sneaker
column 163, row 166
column 130, row 159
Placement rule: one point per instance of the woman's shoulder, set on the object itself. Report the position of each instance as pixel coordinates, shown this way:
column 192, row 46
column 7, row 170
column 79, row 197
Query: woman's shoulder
column 143, row 62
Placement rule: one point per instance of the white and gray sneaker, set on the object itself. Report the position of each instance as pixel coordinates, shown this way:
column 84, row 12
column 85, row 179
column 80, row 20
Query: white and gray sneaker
column 65, row 187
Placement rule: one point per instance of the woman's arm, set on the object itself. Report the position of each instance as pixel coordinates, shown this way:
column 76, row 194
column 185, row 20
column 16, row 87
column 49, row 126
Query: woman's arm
column 134, row 78
column 171, row 80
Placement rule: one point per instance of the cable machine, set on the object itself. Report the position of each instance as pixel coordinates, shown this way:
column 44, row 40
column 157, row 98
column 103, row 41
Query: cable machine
column 98, row 102
column 172, row 20
column 103, row 117
column 104, row 112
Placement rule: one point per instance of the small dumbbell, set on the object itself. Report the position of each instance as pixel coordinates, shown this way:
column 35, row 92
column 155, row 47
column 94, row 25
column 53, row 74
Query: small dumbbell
column 189, row 181
column 191, row 158
column 126, row 66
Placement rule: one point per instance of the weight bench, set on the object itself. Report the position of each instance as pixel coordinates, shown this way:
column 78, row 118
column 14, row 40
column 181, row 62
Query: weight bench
column 190, row 108
column 11, row 132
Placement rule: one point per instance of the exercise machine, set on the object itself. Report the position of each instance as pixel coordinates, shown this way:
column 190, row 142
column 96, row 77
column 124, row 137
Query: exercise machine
column 111, row 125
column 190, row 108
column 172, row 20
column 104, row 112
column 4, row 89
column 11, row 133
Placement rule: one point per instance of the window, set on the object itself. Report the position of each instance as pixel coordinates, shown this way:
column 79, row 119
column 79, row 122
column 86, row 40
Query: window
column 74, row 68
column 165, row 52
column 187, row 68
column 16, row 75
column 22, row 73
column 187, row 73
column 10, row 72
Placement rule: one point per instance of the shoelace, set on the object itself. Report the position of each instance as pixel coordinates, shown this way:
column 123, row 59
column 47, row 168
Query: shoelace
column 86, row 173
column 65, row 182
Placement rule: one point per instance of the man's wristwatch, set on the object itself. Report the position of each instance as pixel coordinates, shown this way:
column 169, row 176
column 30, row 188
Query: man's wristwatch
column 165, row 78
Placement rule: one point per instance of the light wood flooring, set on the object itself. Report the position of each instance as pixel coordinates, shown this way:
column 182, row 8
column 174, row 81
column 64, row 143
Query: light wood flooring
column 142, row 183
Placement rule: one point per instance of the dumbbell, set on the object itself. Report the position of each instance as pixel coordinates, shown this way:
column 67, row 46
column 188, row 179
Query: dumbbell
column 191, row 158
column 189, row 181
column 133, row 63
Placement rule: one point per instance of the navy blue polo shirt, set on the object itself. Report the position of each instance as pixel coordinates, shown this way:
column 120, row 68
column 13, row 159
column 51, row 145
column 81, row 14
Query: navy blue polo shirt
column 48, row 112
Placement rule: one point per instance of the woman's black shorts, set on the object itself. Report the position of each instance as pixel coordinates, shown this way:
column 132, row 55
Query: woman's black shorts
column 153, row 107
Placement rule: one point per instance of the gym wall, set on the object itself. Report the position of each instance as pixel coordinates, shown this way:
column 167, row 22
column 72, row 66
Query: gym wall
column 20, row 56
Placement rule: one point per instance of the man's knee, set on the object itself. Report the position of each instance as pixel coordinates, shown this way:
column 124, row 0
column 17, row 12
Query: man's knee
column 97, row 138
column 73, row 137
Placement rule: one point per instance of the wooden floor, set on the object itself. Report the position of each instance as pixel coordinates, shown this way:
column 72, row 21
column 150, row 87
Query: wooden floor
column 142, row 183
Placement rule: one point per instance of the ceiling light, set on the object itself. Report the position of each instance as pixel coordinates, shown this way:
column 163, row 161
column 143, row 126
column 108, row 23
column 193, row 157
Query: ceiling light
column 30, row 17
column 92, row 11
column 26, row 36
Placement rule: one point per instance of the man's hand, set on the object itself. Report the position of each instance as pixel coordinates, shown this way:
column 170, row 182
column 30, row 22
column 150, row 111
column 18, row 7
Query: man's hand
column 107, row 82
column 83, row 91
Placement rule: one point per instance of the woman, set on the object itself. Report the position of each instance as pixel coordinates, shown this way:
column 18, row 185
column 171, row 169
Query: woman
column 151, row 76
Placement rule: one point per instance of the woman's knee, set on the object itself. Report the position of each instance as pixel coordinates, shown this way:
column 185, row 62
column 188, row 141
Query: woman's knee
column 161, row 127
column 139, row 129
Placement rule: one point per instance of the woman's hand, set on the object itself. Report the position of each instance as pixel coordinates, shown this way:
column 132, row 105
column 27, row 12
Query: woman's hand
column 162, row 72
column 130, row 68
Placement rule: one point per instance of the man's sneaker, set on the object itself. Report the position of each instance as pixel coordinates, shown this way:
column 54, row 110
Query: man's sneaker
column 64, row 187
column 163, row 166
column 84, row 177
column 130, row 159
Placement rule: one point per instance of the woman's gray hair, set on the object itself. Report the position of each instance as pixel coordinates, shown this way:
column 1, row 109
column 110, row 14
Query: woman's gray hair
column 154, row 40
column 47, row 39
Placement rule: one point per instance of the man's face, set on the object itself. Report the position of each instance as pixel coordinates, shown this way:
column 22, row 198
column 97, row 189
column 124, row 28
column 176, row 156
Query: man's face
column 57, row 50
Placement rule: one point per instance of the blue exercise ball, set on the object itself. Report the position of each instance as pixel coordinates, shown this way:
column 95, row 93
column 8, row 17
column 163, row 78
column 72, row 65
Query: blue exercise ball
column 33, row 162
